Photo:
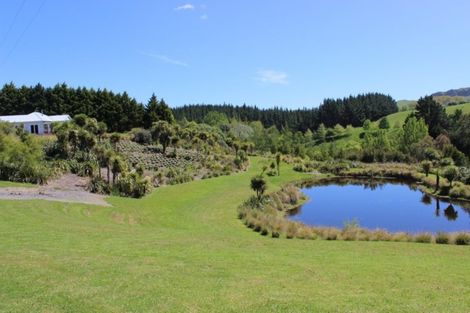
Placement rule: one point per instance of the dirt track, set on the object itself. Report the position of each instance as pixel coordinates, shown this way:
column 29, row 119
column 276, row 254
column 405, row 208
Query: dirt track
column 68, row 188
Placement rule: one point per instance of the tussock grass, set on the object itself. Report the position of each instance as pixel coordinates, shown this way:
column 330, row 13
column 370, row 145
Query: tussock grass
column 462, row 239
column 442, row 238
column 423, row 238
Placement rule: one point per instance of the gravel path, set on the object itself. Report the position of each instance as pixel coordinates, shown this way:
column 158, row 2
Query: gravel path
column 68, row 188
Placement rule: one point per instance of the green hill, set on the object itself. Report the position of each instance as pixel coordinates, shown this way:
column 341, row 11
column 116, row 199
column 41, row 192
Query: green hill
column 353, row 139
column 400, row 117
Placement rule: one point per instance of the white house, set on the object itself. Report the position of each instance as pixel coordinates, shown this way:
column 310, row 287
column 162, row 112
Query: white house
column 35, row 123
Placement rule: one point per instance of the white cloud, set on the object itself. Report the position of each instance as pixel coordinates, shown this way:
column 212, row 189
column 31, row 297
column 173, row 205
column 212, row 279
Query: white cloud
column 187, row 6
column 165, row 59
column 204, row 17
column 272, row 77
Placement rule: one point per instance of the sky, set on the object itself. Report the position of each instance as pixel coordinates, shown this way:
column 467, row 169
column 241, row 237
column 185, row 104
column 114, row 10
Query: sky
column 289, row 53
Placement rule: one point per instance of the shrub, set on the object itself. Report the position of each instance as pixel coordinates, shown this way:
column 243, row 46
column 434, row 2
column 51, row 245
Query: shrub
column 446, row 162
column 304, row 232
column 423, row 238
column 142, row 136
column 460, row 190
column 331, row 233
column 442, row 238
column 380, row 235
column 22, row 158
column 462, row 239
column 451, row 173
column 264, row 231
column 99, row 185
column 402, row 237
column 291, row 230
column 426, row 166
column 132, row 185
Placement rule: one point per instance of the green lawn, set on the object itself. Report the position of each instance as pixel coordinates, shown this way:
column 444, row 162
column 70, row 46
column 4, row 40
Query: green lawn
column 182, row 249
column 12, row 184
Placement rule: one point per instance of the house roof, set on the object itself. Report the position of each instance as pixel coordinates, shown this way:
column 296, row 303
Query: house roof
column 34, row 117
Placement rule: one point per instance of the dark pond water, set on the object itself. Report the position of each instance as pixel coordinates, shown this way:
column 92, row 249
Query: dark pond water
column 391, row 205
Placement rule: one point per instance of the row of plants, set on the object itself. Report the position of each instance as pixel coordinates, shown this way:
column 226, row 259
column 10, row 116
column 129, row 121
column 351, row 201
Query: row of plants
column 152, row 156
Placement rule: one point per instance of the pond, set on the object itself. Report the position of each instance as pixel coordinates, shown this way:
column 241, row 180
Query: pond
column 388, row 204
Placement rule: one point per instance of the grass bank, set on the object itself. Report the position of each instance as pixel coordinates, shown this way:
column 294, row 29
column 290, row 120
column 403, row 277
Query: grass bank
column 182, row 249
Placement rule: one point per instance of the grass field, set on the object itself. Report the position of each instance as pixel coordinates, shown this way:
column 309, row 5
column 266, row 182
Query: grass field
column 182, row 249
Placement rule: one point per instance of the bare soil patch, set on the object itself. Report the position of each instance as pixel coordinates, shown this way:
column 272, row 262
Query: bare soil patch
column 68, row 188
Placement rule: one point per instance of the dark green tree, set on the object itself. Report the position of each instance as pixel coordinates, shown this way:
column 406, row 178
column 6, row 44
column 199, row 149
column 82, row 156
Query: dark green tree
column 162, row 133
column 433, row 114
column 384, row 124
column 259, row 185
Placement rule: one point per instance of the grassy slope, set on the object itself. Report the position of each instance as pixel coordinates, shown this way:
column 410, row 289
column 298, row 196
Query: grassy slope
column 182, row 250
column 395, row 118
column 400, row 117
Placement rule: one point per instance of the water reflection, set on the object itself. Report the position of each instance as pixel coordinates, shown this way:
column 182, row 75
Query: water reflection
column 426, row 199
column 451, row 213
column 438, row 207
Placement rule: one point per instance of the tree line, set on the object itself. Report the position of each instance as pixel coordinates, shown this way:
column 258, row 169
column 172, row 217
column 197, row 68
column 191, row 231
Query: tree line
column 119, row 111
column 353, row 110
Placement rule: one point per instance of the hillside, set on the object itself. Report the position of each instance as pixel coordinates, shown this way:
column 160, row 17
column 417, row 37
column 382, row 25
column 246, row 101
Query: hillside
column 353, row 137
column 404, row 105
column 461, row 92
column 400, row 117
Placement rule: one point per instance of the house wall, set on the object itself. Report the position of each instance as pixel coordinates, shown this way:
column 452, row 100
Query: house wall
column 27, row 126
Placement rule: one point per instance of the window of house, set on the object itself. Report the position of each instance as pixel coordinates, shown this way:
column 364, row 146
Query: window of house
column 36, row 128
column 46, row 128
column 32, row 129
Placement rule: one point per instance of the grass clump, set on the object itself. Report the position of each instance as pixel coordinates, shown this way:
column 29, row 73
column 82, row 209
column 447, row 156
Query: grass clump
column 401, row 237
column 462, row 239
column 442, row 238
column 423, row 238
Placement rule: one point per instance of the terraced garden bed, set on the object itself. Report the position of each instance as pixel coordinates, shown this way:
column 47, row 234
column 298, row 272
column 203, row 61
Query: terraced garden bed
column 152, row 158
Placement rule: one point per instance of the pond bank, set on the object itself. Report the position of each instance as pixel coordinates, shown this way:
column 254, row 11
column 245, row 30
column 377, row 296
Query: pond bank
column 269, row 217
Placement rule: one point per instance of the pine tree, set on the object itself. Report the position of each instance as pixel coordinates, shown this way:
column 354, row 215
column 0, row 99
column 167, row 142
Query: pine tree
column 433, row 114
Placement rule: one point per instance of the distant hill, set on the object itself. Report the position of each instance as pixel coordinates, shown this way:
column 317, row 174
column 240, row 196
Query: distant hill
column 461, row 92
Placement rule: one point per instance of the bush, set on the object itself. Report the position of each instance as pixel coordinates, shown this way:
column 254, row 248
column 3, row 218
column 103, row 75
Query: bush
column 380, row 235
column 99, row 185
column 442, row 238
column 462, row 239
column 142, row 136
column 423, row 238
column 460, row 190
column 132, row 185
column 451, row 173
column 402, row 237
column 446, row 162
column 22, row 159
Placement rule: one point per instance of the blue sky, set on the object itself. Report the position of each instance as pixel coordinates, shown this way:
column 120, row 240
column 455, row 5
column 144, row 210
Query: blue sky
column 260, row 52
